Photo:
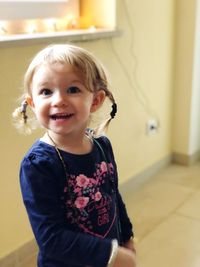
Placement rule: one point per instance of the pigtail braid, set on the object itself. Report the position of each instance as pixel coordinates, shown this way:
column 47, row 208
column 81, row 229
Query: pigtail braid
column 104, row 126
column 114, row 108
column 20, row 118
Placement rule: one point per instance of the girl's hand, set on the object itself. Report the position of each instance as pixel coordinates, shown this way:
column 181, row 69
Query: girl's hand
column 125, row 257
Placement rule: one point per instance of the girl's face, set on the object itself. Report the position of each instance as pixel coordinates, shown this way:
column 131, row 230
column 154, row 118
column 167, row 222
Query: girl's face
column 60, row 100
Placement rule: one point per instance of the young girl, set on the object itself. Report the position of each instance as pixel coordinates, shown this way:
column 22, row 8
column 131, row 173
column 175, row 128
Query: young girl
column 68, row 177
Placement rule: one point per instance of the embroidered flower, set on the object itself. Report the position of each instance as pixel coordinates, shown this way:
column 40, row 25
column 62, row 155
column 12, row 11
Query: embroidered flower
column 103, row 167
column 81, row 202
column 77, row 190
column 82, row 180
column 93, row 181
column 97, row 196
column 85, row 197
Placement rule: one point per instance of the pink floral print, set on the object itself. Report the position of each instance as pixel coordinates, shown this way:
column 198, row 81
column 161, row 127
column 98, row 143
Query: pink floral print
column 82, row 180
column 81, row 202
column 97, row 196
column 103, row 167
column 85, row 199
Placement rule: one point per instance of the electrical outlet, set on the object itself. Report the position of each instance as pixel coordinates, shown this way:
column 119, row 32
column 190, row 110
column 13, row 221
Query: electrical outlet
column 152, row 126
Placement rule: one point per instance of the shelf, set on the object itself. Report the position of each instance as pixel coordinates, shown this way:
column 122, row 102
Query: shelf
column 33, row 1
column 57, row 37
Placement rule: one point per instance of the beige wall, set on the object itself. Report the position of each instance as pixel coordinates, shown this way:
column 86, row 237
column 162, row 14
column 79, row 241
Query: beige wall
column 14, row 229
column 195, row 103
column 141, row 66
column 186, row 123
column 185, row 21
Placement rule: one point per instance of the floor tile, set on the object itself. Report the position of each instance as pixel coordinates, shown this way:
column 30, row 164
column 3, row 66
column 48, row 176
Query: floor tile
column 31, row 263
column 188, row 176
column 174, row 243
column 191, row 207
column 153, row 203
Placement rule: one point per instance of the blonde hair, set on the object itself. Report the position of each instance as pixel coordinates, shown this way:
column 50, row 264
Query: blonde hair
column 82, row 61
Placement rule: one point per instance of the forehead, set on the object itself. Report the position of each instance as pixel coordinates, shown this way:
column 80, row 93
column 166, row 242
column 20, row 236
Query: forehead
column 48, row 71
column 55, row 67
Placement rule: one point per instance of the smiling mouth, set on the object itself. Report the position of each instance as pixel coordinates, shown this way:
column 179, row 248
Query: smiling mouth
column 61, row 116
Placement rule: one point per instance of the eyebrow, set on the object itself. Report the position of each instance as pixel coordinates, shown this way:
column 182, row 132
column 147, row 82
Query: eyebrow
column 43, row 84
column 47, row 83
column 76, row 81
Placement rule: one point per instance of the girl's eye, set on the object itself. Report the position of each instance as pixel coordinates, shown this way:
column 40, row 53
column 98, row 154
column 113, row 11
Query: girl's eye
column 73, row 90
column 45, row 92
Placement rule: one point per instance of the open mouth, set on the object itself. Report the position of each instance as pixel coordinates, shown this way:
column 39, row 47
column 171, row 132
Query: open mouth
column 61, row 116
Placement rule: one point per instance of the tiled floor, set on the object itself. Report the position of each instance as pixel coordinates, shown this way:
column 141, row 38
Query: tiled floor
column 166, row 216
column 31, row 263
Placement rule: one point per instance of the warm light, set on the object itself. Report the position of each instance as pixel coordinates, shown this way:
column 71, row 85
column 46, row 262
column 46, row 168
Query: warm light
column 92, row 28
column 3, row 29
column 33, row 17
column 51, row 25
column 31, row 27
column 72, row 22
column 38, row 25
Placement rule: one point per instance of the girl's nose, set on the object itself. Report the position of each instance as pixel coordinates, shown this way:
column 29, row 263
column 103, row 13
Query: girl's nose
column 59, row 99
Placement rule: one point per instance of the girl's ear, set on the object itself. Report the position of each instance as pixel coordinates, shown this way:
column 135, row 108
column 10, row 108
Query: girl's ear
column 98, row 100
column 30, row 102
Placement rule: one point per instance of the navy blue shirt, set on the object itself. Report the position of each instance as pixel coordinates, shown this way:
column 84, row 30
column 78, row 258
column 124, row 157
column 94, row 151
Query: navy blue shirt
column 74, row 217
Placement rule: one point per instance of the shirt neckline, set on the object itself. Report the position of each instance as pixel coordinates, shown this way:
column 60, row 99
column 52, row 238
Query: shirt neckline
column 66, row 152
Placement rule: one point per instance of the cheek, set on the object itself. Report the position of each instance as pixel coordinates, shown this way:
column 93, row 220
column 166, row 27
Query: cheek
column 84, row 104
column 90, row 107
column 40, row 109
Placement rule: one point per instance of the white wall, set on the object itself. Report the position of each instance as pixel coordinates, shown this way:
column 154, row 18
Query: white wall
column 183, row 75
column 195, row 101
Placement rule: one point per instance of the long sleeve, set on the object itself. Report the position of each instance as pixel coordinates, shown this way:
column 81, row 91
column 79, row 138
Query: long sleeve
column 125, row 223
column 41, row 196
